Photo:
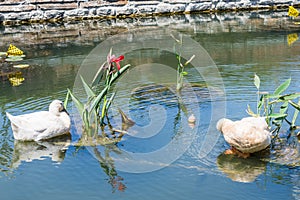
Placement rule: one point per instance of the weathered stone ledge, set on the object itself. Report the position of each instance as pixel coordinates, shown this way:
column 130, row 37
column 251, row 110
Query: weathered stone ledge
column 38, row 11
column 91, row 32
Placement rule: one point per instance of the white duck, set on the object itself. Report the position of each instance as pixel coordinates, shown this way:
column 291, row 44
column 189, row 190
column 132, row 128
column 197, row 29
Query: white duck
column 41, row 125
column 248, row 135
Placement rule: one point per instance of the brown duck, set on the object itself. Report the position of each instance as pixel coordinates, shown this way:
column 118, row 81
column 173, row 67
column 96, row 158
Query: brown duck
column 246, row 136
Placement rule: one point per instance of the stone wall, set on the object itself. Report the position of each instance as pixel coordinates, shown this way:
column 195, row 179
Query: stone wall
column 39, row 11
column 91, row 32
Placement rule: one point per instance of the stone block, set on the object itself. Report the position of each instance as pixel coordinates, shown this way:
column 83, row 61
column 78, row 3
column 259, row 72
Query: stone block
column 146, row 9
column 76, row 12
column 163, row 8
column 92, row 11
column 178, row 8
column 60, row 6
column 36, row 15
column 198, row 7
column 24, row 16
column 11, row 16
column 126, row 10
column 16, row 8
column 106, row 11
column 266, row 2
column 53, row 14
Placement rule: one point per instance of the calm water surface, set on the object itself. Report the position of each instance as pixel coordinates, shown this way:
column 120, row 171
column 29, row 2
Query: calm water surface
column 51, row 171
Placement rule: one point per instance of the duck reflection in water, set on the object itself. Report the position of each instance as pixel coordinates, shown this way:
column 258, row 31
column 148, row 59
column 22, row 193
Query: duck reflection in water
column 285, row 151
column 239, row 169
column 27, row 151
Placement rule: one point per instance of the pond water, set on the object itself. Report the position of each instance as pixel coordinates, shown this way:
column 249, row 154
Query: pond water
column 162, row 157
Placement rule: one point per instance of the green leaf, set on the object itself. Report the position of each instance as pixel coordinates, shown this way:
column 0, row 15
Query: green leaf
column 86, row 118
column 103, row 108
column 256, row 81
column 272, row 96
column 178, row 41
column 289, row 96
column 282, row 87
column 96, row 102
column 283, row 108
column 184, row 73
column 110, row 52
column 66, row 99
column 99, row 75
column 190, row 60
column 260, row 103
column 277, row 115
column 295, row 115
column 78, row 104
column 295, row 105
column 87, row 88
column 250, row 112
column 95, row 121
column 119, row 73
column 110, row 101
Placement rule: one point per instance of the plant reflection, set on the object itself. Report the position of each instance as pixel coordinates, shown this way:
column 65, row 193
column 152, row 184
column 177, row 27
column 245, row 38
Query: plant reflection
column 107, row 164
column 286, row 149
column 102, row 145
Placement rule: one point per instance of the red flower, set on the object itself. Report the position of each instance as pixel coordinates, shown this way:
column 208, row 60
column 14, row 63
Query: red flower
column 117, row 60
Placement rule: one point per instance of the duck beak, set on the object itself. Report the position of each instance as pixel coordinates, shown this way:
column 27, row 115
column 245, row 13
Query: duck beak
column 64, row 110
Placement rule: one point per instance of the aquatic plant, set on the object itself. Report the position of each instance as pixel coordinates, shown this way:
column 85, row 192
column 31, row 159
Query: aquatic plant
column 180, row 66
column 275, row 106
column 94, row 111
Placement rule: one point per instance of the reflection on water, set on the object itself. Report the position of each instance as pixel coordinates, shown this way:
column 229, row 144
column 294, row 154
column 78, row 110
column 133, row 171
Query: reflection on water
column 238, row 54
column 286, row 150
column 239, row 169
column 108, row 166
column 26, row 151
